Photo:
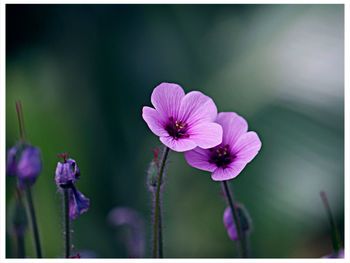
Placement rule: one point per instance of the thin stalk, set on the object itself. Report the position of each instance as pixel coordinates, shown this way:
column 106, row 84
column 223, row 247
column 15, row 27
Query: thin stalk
column 160, row 232
column 34, row 221
column 20, row 118
column 241, row 235
column 20, row 246
column 157, row 250
column 335, row 233
column 66, row 223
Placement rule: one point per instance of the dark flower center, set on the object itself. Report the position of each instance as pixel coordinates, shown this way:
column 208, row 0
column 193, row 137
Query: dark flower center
column 221, row 156
column 176, row 129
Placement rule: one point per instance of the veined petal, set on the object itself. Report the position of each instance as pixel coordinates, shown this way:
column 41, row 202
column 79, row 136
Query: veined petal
column 179, row 145
column 196, row 107
column 154, row 121
column 199, row 158
column 230, row 172
column 206, row 135
column 233, row 126
column 78, row 203
column 247, row 147
column 166, row 98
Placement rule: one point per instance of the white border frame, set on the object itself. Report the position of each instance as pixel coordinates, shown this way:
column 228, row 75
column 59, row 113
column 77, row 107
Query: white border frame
column 3, row 125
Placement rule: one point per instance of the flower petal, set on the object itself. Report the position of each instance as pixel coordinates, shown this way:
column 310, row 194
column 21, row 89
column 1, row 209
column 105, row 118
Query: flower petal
column 199, row 158
column 11, row 161
column 29, row 165
column 233, row 126
column 247, row 147
column 154, row 121
column 179, row 145
column 166, row 98
column 196, row 107
column 206, row 135
column 229, row 224
column 230, row 172
column 78, row 203
column 228, row 218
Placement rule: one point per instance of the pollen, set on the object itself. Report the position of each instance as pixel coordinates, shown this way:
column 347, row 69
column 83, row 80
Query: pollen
column 176, row 129
column 221, row 156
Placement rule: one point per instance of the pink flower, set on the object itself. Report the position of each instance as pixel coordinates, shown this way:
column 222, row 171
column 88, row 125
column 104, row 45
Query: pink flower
column 237, row 149
column 182, row 122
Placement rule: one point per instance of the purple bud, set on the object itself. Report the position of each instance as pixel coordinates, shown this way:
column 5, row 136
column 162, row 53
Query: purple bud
column 28, row 165
column 11, row 164
column 78, row 203
column 229, row 224
column 135, row 241
column 340, row 254
column 66, row 173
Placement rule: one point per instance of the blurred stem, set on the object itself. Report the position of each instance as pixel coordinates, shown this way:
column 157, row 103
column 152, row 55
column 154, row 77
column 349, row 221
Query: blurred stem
column 335, row 233
column 160, row 232
column 66, row 222
column 20, row 118
column 20, row 246
column 157, row 250
column 241, row 235
column 33, row 220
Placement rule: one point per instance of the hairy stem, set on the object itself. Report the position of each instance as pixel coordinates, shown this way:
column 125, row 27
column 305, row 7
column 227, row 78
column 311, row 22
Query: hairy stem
column 34, row 221
column 66, row 223
column 241, row 235
column 157, row 250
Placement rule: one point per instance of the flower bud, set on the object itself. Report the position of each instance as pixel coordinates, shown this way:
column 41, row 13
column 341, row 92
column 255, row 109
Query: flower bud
column 67, row 173
column 29, row 165
column 24, row 161
column 244, row 220
column 339, row 254
column 11, row 165
column 152, row 175
column 135, row 238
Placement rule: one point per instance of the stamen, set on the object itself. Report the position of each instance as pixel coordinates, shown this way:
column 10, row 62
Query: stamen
column 63, row 156
column 221, row 156
column 176, row 129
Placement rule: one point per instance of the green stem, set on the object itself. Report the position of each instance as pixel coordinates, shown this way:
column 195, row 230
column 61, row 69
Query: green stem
column 66, row 222
column 241, row 235
column 160, row 232
column 20, row 246
column 34, row 221
column 335, row 233
column 20, row 118
column 157, row 250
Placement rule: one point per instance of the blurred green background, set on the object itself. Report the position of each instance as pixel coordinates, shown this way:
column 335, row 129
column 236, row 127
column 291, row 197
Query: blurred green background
column 83, row 73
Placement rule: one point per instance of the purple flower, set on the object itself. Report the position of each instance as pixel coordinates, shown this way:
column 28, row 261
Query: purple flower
column 67, row 173
column 340, row 254
column 182, row 122
column 135, row 241
column 24, row 161
column 230, row 224
column 11, row 164
column 237, row 149
column 78, row 203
